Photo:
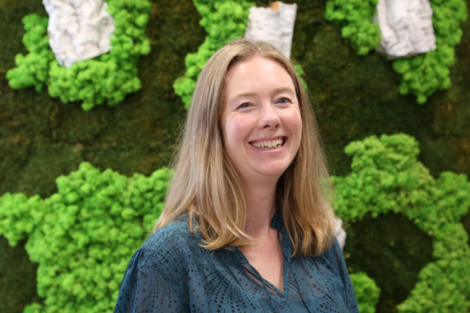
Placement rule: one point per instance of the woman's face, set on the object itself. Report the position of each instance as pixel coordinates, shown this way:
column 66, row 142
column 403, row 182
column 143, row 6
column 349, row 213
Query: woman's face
column 261, row 121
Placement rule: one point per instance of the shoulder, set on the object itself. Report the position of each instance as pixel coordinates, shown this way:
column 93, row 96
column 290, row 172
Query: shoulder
column 176, row 231
column 335, row 260
column 334, row 251
column 333, row 254
column 173, row 242
column 160, row 269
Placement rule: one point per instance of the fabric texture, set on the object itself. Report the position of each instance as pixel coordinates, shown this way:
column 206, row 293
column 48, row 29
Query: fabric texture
column 172, row 273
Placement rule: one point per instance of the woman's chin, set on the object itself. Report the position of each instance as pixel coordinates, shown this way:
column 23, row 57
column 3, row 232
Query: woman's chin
column 266, row 173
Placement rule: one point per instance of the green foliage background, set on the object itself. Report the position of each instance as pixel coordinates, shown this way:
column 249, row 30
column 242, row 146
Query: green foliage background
column 83, row 235
column 354, row 97
column 387, row 177
column 422, row 74
column 366, row 290
column 109, row 77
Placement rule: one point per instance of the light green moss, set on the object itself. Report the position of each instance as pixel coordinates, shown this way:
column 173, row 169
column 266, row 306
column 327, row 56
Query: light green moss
column 367, row 292
column 422, row 75
column 107, row 78
column 223, row 21
column 386, row 176
column 83, row 236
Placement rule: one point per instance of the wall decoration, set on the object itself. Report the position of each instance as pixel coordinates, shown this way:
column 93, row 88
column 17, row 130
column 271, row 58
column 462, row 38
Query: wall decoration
column 78, row 31
column 386, row 176
column 350, row 93
column 405, row 27
column 340, row 234
column 274, row 25
column 423, row 74
column 84, row 235
column 106, row 78
column 223, row 21
column 355, row 19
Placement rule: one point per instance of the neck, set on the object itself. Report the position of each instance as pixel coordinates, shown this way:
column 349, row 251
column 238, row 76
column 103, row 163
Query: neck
column 260, row 203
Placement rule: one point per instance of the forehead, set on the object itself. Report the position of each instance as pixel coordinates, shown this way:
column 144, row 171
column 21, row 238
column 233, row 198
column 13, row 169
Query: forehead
column 257, row 74
column 264, row 64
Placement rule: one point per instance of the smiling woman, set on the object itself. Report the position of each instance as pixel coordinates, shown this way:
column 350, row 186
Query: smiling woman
column 247, row 226
column 261, row 122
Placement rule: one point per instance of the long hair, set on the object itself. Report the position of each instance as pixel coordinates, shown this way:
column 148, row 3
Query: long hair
column 206, row 183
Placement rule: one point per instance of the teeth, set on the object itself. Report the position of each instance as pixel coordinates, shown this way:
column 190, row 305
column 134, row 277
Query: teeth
column 268, row 145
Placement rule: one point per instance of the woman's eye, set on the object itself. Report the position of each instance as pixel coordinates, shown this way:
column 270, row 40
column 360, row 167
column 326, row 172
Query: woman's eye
column 244, row 105
column 284, row 100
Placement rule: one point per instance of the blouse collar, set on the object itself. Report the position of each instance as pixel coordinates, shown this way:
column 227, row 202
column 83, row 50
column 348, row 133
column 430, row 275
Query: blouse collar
column 277, row 222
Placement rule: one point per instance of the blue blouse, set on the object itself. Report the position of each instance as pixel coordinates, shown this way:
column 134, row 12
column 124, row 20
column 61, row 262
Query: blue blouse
column 172, row 273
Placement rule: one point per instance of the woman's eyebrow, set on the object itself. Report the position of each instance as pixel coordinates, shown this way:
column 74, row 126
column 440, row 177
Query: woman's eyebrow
column 275, row 91
column 283, row 89
column 245, row 94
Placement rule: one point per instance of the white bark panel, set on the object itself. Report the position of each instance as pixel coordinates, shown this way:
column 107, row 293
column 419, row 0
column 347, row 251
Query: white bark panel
column 405, row 27
column 78, row 29
column 340, row 234
column 274, row 25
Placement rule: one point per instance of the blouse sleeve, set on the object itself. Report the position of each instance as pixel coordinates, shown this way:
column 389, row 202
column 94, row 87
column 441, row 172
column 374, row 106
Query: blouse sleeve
column 349, row 295
column 145, row 288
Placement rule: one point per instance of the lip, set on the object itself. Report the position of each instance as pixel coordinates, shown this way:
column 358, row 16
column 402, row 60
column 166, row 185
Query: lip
column 281, row 148
column 269, row 139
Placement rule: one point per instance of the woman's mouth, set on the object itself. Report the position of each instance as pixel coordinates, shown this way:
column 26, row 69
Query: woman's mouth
column 269, row 144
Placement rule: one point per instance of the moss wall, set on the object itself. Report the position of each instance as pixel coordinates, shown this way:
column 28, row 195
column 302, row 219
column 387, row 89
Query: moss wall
column 354, row 97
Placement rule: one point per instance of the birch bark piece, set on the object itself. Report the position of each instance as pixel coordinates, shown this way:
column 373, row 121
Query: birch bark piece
column 274, row 25
column 405, row 27
column 78, row 29
column 340, row 234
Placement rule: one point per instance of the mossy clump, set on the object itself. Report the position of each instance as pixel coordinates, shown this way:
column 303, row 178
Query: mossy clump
column 426, row 73
column 423, row 74
column 367, row 292
column 107, row 78
column 355, row 19
column 387, row 177
column 223, row 21
column 83, row 236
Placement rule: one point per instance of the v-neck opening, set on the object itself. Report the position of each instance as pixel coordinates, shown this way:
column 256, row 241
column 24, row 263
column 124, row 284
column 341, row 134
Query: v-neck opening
column 263, row 281
column 285, row 276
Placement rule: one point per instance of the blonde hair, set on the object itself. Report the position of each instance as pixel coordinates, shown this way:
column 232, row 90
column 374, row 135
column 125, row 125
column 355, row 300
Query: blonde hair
column 206, row 183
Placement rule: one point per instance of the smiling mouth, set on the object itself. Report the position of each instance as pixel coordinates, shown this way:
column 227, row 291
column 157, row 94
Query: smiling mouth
column 269, row 144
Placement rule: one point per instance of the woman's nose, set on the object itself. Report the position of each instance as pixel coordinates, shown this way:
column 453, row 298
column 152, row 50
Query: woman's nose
column 269, row 117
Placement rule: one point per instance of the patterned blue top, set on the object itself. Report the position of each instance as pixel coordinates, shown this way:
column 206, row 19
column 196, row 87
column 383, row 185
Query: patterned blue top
column 172, row 273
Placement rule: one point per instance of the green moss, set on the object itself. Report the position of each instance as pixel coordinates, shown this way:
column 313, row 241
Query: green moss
column 107, row 78
column 386, row 177
column 366, row 291
column 392, row 250
column 17, row 278
column 466, row 225
column 422, row 74
column 83, row 236
column 223, row 21
column 355, row 17
column 41, row 138
column 354, row 97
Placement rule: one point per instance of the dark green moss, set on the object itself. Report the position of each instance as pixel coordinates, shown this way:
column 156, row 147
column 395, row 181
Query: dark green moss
column 17, row 278
column 42, row 138
column 392, row 250
column 354, row 97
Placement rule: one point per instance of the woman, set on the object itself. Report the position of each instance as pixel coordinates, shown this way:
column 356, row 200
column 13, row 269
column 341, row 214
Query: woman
column 246, row 225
